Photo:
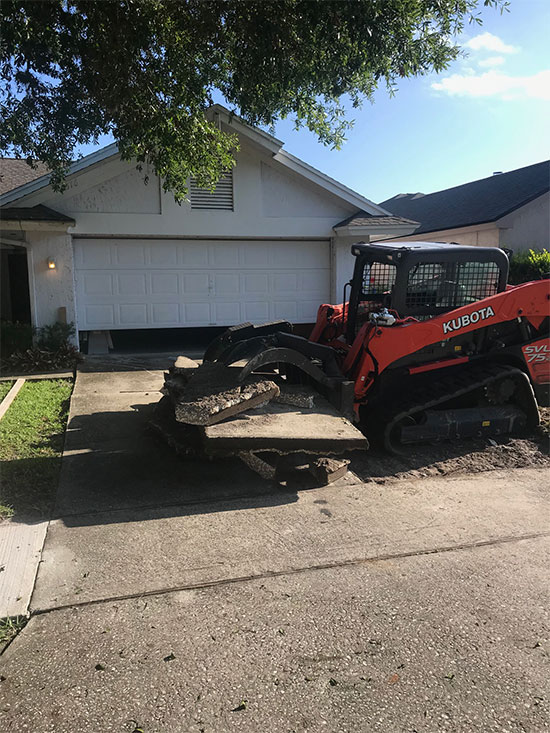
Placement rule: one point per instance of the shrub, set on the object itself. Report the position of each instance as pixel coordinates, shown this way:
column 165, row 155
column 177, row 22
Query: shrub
column 52, row 351
column 529, row 265
column 55, row 336
column 15, row 336
column 42, row 360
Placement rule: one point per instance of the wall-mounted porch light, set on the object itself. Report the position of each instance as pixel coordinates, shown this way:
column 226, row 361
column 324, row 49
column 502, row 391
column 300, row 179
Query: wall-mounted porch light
column 51, row 264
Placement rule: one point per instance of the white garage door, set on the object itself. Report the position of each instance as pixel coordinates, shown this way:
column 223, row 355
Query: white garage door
column 122, row 283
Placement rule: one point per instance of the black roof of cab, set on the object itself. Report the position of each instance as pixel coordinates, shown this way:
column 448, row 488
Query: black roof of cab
column 430, row 252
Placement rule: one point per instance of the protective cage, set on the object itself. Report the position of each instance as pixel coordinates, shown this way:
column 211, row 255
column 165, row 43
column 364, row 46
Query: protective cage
column 422, row 279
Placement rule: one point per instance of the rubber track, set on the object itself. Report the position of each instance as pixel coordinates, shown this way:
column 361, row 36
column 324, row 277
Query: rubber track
column 447, row 389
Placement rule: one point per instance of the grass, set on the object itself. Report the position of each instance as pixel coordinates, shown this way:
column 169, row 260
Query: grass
column 10, row 627
column 5, row 388
column 31, row 443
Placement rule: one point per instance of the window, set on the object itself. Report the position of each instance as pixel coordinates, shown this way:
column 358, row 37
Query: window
column 220, row 199
column 378, row 279
column 446, row 285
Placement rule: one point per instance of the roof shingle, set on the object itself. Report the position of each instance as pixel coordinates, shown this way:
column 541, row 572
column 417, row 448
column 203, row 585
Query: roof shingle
column 15, row 172
column 363, row 219
column 477, row 202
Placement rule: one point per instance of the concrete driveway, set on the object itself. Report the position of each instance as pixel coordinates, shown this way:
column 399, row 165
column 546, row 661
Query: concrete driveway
column 176, row 596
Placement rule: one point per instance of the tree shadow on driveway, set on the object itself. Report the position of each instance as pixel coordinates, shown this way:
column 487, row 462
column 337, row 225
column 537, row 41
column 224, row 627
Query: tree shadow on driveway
column 114, row 467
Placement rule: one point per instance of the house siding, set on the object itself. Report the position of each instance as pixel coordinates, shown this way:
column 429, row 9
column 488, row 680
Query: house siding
column 485, row 236
column 51, row 290
column 269, row 201
column 527, row 227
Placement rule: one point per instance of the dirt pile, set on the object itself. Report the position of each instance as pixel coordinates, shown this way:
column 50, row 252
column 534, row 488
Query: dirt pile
column 460, row 457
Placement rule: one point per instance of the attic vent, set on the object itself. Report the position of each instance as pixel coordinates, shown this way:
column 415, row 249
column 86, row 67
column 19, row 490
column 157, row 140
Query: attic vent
column 220, row 198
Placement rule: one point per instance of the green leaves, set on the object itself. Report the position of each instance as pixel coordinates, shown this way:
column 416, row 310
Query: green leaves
column 145, row 72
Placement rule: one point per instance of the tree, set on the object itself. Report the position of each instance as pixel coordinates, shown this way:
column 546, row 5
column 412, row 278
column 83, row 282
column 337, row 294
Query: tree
column 145, row 71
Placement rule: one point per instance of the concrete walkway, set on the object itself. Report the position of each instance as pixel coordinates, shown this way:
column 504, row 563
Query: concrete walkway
column 175, row 596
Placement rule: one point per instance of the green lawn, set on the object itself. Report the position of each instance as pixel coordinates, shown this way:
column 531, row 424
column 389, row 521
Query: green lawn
column 5, row 388
column 31, row 443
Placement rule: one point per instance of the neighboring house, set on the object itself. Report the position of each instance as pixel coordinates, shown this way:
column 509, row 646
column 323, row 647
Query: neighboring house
column 15, row 172
column 112, row 252
column 505, row 210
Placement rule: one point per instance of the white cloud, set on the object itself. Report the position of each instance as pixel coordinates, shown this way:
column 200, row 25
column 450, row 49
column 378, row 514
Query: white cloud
column 488, row 42
column 496, row 84
column 491, row 62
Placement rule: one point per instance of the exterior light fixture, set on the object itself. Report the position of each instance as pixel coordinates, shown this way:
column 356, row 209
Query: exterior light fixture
column 51, row 264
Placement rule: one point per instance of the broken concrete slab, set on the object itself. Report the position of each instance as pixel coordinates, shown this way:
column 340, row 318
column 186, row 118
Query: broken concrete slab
column 293, row 394
column 258, row 465
column 178, row 376
column 285, row 428
column 183, row 364
column 213, row 393
column 184, row 439
column 295, row 469
column 217, row 407
column 328, row 470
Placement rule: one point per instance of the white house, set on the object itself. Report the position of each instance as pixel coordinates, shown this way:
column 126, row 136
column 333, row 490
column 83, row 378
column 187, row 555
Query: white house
column 113, row 252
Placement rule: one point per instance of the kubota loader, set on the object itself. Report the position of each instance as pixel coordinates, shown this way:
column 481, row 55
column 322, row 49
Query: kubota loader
column 431, row 344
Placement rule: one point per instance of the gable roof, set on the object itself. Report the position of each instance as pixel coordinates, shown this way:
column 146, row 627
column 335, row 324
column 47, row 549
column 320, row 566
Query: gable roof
column 269, row 144
column 478, row 202
column 44, row 180
column 14, row 172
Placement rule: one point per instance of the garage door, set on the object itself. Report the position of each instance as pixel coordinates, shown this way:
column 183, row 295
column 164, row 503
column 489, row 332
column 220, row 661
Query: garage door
column 124, row 284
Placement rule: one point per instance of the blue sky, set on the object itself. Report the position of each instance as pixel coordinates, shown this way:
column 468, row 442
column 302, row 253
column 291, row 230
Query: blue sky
column 488, row 112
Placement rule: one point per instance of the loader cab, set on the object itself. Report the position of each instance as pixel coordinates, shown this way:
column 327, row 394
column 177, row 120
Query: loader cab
column 421, row 279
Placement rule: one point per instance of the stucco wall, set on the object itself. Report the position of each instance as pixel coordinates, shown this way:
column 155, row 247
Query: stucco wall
column 51, row 289
column 485, row 236
column 343, row 263
column 284, row 195
column 528, row 227
column 131, row 192
column 269, row 201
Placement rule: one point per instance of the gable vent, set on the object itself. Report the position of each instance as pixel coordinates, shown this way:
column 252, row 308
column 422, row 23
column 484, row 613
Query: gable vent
column 220, row 198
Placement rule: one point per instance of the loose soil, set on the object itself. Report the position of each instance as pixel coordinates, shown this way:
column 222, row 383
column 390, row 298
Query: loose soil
column 465, row 456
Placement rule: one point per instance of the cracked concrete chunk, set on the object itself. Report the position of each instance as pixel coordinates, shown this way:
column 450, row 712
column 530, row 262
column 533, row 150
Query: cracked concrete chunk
column 328, row 470
column 261, row 467
column 213, row 394
column 296, row 395
column 183, row 364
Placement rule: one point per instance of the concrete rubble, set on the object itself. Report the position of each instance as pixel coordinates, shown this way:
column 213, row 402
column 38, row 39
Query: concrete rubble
column 207, row 412
column 211, row 392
